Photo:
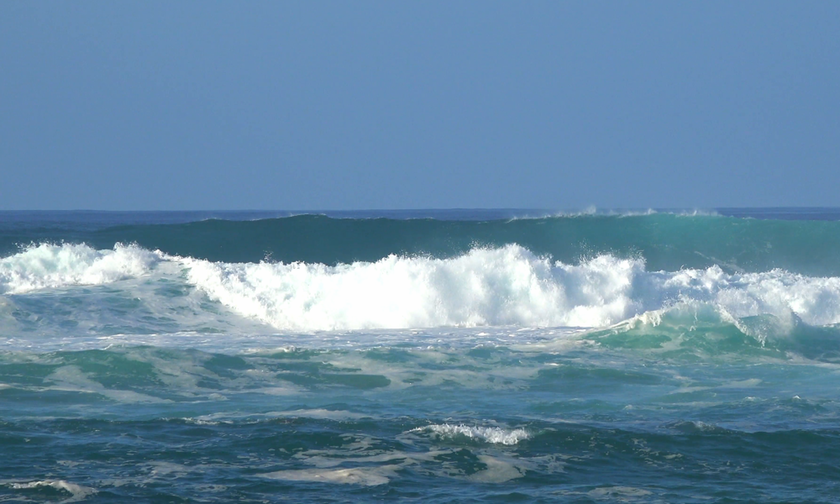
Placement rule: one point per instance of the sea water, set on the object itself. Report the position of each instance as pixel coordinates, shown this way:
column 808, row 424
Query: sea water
column 429, row 356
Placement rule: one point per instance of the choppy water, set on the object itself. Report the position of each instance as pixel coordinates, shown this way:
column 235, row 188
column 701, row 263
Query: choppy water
column 471, row 356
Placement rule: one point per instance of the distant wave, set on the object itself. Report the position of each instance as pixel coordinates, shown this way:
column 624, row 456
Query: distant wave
column 666, row 241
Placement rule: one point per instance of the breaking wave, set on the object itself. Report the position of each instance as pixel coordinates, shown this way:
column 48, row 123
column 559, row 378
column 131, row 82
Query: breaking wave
column 502, row 286
column 54, row 266
column 492, row 435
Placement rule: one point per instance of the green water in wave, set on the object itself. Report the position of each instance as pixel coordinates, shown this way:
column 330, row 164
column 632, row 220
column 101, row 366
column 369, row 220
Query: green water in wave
column 666, row 241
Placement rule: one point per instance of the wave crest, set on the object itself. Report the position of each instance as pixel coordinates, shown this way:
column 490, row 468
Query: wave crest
column 504, row 286
column 54, row 266
column 492, row 435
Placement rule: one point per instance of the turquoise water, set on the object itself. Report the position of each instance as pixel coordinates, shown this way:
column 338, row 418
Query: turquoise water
column 442, row 356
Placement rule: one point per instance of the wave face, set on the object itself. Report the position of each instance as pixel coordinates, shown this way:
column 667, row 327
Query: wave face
column 666, row 241
column 586, row 271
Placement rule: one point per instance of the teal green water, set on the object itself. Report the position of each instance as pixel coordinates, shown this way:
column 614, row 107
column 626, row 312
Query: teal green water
column 666, row 241
column 486, row 423
column 595, row 358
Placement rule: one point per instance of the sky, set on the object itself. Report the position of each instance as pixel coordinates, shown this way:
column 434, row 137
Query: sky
column 207, row 105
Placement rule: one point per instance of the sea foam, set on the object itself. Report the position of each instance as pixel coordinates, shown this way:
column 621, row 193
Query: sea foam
column 59, row 265
column 500, row 286
column 504, row 286
column 492, row 435
column 77, row 492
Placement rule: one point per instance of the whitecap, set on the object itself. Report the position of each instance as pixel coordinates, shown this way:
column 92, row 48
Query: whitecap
column 365, row 476
column 53, row 266
column 77, row 492
column 493, row 435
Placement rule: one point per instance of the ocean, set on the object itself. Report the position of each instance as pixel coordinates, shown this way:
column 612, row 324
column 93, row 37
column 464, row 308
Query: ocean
column 427, row 356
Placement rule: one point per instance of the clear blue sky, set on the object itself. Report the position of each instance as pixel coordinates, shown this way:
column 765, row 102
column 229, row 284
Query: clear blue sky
column 356, row 105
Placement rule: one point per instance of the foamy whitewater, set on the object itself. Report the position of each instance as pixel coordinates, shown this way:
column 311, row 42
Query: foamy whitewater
column 497, row 355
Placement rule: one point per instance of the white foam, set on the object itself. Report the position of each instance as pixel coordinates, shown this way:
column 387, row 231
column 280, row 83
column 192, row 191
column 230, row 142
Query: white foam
column 499, row 469
column 77, row 492
column 504, row 286
column 785, row 295
column 629, row 212
column 54, row 266
column 319, row 414
column 497, row 287
column 493, row 435
column 366, row 476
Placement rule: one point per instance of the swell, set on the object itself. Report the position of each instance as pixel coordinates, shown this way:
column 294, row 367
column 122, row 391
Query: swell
column 666, row 241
